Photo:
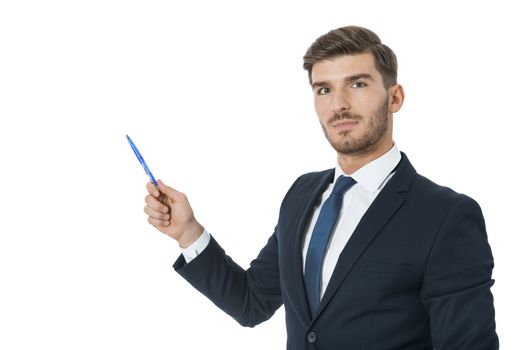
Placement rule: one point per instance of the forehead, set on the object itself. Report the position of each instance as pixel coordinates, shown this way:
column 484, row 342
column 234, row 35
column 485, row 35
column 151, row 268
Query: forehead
column 339, row 67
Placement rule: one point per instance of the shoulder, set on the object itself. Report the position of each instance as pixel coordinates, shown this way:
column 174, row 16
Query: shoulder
column 440, row 198
column 425, row 187
column 313, row 178
column 309, row 183
column 425, row 195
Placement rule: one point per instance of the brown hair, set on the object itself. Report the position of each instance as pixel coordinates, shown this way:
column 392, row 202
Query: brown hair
column 353, row 40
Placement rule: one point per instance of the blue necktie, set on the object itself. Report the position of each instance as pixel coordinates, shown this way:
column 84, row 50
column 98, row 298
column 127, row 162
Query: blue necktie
column 321, row 235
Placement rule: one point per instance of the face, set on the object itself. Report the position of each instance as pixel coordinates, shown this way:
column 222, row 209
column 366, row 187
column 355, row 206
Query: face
column 352, row 104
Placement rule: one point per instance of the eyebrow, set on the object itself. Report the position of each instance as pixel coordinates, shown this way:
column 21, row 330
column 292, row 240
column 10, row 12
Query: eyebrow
column 346, row 79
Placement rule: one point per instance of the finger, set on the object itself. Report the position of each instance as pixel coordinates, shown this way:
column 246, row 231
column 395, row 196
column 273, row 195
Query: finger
column 158, row 223
column 156, row 214
column 170, row 192
column 152, row 189
column 164, row 199
column 155, row 204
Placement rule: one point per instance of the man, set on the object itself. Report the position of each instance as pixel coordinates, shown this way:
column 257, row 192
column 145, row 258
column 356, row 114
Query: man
column 369, row 255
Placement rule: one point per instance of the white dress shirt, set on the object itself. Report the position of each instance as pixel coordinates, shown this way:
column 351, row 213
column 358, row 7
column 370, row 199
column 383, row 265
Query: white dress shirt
column 370, row 179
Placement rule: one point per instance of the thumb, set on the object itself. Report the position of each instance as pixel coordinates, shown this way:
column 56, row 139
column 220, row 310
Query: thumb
column 167, row 190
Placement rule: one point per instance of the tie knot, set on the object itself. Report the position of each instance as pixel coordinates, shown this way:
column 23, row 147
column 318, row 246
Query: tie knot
column 342, row 185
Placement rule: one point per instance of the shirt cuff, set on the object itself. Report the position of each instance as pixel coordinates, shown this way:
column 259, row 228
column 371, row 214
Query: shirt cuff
column 197, row 247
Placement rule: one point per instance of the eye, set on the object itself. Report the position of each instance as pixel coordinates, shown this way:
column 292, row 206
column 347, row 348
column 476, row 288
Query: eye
column 323, row 91
column 358, row 85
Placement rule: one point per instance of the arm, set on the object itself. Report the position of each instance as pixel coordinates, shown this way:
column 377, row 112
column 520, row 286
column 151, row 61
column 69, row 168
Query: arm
column 251, row 296
column 456, row 286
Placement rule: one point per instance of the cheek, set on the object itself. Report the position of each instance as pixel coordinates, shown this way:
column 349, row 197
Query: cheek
column 364, row 102
column 317, row 105
column 322, row 109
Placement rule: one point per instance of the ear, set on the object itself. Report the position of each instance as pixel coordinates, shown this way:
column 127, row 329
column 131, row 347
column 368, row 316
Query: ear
column 397, row 96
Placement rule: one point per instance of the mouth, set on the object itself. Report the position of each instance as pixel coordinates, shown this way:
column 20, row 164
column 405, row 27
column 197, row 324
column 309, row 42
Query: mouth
column 345, row 125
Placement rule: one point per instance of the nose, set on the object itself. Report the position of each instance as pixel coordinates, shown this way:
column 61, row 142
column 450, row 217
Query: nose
column 340, row 103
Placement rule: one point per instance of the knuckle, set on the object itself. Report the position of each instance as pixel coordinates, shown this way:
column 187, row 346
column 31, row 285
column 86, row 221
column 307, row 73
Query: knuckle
column 155, row 222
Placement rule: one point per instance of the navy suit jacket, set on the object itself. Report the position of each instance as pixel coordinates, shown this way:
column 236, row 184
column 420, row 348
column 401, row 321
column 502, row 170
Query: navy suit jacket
column 415, row 274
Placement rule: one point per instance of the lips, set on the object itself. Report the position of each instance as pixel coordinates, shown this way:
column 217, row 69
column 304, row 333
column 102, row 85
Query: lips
column 345, row 125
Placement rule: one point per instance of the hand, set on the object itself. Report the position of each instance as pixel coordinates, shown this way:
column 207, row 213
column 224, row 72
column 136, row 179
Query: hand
column 170, row 212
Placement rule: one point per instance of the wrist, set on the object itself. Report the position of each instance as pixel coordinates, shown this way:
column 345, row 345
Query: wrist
column 194, row 231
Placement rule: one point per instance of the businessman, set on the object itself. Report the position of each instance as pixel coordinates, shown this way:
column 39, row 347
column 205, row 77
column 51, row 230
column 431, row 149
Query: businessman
column 367, row 255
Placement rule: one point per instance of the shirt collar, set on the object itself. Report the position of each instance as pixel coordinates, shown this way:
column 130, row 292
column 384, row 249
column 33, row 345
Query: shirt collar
column 373, row 174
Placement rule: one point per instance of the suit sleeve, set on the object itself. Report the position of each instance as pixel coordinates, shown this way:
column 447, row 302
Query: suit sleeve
column 456, row 286
column 250, row 296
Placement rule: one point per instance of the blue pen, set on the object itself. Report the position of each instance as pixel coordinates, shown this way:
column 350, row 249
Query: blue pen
column 142, row 162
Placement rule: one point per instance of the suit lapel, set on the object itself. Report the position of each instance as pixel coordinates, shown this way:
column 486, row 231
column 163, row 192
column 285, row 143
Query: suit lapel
column 310, row 196
column 380, row 212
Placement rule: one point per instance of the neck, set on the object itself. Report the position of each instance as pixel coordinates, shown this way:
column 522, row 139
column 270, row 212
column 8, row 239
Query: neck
column 350, row 163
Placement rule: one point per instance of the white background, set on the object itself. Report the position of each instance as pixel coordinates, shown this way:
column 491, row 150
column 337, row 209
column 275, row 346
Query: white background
column 214, row 95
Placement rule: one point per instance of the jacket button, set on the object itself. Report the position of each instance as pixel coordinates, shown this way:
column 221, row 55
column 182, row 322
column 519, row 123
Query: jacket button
column 311, row 337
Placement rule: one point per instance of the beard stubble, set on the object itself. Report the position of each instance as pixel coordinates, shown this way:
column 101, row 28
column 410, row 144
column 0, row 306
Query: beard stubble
column 376, row 127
